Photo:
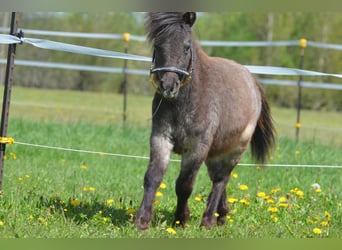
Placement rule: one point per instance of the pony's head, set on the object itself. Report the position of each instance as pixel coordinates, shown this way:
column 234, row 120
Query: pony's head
column 172, row 62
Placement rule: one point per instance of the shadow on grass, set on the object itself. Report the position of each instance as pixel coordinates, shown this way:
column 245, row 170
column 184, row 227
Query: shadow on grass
column 120, row 215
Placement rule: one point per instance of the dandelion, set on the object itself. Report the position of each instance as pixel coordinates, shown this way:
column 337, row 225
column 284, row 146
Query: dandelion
column 20, row 179
column 274, row 218
column 327, row 215
column 297, row 152
column 261, row 194
column 216, row 215
column 85, row 189
column 283, row 205
column 318, row 190
column 177, row 222
column 316, row 186
column 92, row 189
column 170, row 230
column 105, row 219
column 159, row 194
column 14, row 156
column 229, row 218
column 324, row 223
column 198, row 198
column 316, row 230
column 275, row 190
column 83, row 167
column 232, row 200
column 31, row 218
column 75, row 202
column 243, row 187
column 27, row 176
column 162, row 185
column 41, row 219
column 245, row 202
column 2, row 223
column 109, row 202
column 270, row 201
column 282, row 199
column 272, row 209
column 130, row 211
column 234, row 175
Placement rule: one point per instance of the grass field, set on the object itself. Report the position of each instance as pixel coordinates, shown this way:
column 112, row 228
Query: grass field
column 50, row 193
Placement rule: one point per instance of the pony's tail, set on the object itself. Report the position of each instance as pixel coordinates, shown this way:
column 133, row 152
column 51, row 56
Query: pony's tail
column 263, row 138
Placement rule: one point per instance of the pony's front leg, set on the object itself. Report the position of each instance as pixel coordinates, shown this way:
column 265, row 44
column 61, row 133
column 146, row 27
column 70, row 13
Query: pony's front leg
column 161, row 149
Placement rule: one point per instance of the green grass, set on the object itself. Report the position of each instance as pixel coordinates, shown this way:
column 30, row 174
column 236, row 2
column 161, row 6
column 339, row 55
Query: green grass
column 61, row 194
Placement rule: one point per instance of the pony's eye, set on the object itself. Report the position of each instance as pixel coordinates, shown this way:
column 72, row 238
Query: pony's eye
column 186, row 48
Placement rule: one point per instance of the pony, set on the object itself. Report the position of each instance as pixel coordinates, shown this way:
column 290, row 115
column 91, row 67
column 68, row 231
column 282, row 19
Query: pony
column 207, row 109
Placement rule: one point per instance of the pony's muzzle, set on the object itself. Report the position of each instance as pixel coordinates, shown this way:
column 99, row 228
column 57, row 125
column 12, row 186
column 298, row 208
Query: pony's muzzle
column 169, row 84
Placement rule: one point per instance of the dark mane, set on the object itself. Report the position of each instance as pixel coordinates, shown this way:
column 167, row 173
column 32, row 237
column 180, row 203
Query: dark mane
column 162, row 23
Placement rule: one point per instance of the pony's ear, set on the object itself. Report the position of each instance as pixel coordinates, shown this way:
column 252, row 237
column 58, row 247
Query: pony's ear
column 189, row 18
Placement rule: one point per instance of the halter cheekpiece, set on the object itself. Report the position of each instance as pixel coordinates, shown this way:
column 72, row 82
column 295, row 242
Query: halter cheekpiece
column 186, row 73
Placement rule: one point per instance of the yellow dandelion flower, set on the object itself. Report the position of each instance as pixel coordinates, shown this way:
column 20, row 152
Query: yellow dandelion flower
column 170, row 230
column 162, row 185
column 27, row 176
column 85, row 189
column 327, row 215
column 324, row 223
column 272, row 209
column 274, row 218
column 20, row 179
column 310, row 221
column 234, row 175
column 282, row 199
column 130, row 211
column 41, row 219
column 270, row 201
column 318, row 190
column 245, row 202
column 2, row 223
column 297, row 152
column 232, row 200
column 283, row 205
column 243, row 187
column 261, row 194
column 92, row 189
column 83, row 166
column 159, row 194
column 216, row 215
column 31, row 218
column 316, row 230
column 75, row 202
column 198, row 198
column 105, row 219
column 300, row 193
column 275, row 190
column 109, row 202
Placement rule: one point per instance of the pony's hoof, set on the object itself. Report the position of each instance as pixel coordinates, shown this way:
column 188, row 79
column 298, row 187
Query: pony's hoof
column 208, row 223
column 141, row 224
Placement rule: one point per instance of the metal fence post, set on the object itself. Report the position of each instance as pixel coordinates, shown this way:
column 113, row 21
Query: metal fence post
column 7, row 93
column 302, row 44
column 126, row 37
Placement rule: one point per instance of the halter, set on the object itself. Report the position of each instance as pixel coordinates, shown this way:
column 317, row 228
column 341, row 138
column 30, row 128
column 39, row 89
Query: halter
column 187, row 73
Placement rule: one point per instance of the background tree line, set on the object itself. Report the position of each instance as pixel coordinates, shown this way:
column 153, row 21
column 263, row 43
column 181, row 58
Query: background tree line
column 318, row 27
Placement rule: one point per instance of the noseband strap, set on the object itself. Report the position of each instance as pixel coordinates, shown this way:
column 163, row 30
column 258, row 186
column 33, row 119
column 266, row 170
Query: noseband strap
column 187, row 73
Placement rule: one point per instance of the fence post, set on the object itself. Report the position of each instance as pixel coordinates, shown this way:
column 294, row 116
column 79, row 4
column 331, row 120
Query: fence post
column 7, row 93
column 302, row 44
column 126, row 37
